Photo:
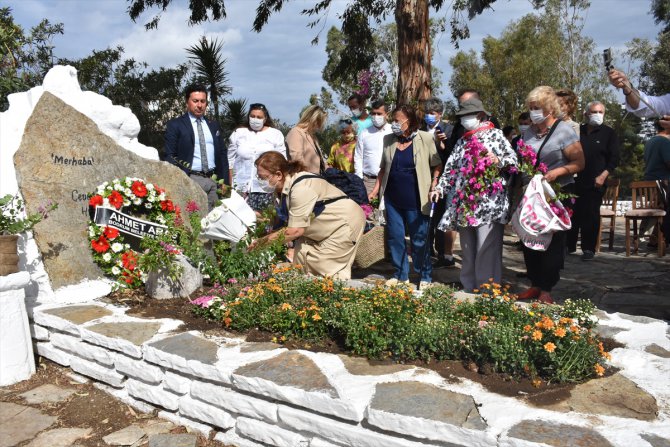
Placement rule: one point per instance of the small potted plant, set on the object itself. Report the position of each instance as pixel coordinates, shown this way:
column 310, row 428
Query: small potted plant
column 13, row 221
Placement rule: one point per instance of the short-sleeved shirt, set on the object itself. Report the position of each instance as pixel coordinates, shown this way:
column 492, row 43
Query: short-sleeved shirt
column 656, row 157
column 552, row 153
column 301, row 203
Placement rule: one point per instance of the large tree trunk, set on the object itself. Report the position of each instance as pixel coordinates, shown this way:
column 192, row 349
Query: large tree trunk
column 414, row 58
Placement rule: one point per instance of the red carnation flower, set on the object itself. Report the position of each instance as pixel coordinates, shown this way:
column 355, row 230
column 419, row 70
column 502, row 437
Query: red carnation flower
column 115, row 199
column 129, row 260
column 139, row 189
column 111, row 233
column 95, row 200
column 100, row 245
column 167, row 205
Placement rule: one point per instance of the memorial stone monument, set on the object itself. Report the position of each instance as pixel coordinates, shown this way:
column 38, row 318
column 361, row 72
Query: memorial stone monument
column 63, row 156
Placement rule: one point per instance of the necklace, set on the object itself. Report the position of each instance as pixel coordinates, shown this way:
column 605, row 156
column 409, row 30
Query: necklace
column 542, row 134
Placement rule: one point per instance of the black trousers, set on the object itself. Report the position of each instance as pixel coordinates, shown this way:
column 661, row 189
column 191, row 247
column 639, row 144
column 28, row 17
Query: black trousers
column 544, row 267
column 438, row 236
column 586, row 218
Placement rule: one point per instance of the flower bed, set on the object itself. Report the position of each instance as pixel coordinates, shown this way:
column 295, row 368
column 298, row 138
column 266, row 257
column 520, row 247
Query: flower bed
column 552, row 343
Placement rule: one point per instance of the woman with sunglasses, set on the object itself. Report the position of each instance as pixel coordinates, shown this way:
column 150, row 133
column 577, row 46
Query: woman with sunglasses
column 342, row 152
column 246, row 144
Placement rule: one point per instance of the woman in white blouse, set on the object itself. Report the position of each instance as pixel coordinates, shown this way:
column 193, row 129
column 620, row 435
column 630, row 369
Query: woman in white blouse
column 245, row 146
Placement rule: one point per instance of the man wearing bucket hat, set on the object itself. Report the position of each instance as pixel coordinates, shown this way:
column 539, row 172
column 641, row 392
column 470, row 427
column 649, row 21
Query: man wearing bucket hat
column 477, row 204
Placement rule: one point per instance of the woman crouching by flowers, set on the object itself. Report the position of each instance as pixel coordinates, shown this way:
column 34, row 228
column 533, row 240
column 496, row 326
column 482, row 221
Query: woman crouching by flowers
column 474, row 182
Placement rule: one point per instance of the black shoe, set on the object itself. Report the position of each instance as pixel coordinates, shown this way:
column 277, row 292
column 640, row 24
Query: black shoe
column 588, row 255
column 444, row 262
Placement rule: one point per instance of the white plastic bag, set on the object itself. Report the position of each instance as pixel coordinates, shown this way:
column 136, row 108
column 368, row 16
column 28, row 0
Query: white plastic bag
column 533, row 220
column 229, row 221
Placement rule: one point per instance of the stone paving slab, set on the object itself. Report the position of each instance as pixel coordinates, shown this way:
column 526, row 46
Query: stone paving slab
column 180, row 440
column 610, row 396
column 19, row 423
column 59, row 437
column 126, row 436
column 658, row 350
column 558, row 435
column 360, row 366
column 47, row 393
column 188, row 346
column 79, row 314
column 133, row 331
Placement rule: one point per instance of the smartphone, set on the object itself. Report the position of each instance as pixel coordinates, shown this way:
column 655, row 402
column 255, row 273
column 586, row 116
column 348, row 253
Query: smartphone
column 607, row 59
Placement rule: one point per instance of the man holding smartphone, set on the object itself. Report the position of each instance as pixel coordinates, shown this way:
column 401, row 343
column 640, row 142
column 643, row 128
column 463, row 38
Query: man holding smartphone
column 433, row 109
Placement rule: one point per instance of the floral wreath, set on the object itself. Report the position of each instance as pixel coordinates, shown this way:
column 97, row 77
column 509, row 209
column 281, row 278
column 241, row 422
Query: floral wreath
column 133, row 196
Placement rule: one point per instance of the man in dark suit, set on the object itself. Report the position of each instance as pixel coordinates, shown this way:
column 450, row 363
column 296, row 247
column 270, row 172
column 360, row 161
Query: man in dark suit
column 198, row 149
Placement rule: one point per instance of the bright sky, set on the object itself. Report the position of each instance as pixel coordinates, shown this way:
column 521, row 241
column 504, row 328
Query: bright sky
column 279, row 67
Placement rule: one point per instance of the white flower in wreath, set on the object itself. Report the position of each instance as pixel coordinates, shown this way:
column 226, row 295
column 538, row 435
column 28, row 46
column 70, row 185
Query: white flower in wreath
column 137, row 201
column 161, row 197
column 161, row 219
column 101, row 190
column 151, row 197
column 105, row 202
column 150, row 187
column 148, row 205
column 126, row 202
column 128, row 181
column 144, row 276
column 128, row 192
column 91, row 231
column 126, row 246
column 116, row 270
column 107, row 257
column 117, row 247
column 119, row 262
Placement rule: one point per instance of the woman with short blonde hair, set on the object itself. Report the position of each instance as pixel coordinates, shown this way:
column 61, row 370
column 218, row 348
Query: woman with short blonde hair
column 301, row 140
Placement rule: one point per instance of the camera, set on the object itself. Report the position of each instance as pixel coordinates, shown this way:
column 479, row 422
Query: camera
column 607, row 59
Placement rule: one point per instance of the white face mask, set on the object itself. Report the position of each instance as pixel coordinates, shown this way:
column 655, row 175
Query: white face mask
column 537, row 116
column 256, row 123
column 378, row 120
column 356, row 112
column 470, row 122
column 265, row 185
column 523, row 128
column 596, row 119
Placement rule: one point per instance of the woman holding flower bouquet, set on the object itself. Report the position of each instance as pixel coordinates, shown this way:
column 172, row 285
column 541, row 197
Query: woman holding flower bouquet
column 474, row 182
column 556, row 153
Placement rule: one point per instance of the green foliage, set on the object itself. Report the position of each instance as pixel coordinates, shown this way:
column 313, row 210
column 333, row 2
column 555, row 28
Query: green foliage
column 24, row 57
column 234, row 115
column 14, row 219
column 546, row 49
column 553, row 343
column 210, row 68
column 154, row 96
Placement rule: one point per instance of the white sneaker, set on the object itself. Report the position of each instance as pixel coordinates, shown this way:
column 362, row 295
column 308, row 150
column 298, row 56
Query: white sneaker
column 395, row 282
column 423, row 285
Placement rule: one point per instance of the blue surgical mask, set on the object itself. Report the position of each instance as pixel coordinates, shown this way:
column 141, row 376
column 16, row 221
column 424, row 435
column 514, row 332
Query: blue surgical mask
column 396, row 127
column 430, row 119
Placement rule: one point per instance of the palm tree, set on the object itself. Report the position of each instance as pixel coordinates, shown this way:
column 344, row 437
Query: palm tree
column 210, row 68
column 234, row 115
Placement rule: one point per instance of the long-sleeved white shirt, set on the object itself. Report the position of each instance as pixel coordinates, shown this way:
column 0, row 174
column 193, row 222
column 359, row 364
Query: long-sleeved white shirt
column 244, row 148
column 369, row 149
column 660, row 103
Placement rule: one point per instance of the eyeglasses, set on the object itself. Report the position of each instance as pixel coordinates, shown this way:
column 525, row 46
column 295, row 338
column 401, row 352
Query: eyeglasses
column 257, row 105
column 346, row 121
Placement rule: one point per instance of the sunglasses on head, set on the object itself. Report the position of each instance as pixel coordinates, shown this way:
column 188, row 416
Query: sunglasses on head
column 257, row 105
column 346, row 121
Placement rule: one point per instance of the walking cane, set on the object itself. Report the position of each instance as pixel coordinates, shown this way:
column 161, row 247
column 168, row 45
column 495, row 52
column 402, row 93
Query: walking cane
column 429, row 246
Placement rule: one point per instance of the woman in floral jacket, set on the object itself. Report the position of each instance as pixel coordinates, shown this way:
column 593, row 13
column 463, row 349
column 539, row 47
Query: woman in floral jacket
column 475, row 185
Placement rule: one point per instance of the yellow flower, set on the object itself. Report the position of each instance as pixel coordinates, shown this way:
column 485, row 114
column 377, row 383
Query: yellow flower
column 537, row 335
column 536, row 383
column 559, row 332
column 286, row 306
column 549, row 347
column 316, row 317
column 599, row 369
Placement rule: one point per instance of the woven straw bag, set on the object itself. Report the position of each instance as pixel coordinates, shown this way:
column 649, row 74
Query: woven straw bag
column 371, row 247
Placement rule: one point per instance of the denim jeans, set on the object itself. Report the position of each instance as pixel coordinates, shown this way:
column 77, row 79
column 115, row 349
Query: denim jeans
column 417, row 224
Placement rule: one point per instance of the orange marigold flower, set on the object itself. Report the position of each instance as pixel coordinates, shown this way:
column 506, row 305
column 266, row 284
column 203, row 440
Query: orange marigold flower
column 227, row 321
column 549, row 347
column 559, row 332
column 527, row 328
column 484, row 317
column 316, row 317
column 537, row 335
column 599, row 369
column 574, row 328
column 286, row 306
column 547, row 323
column 536, row 383
column 606, row 355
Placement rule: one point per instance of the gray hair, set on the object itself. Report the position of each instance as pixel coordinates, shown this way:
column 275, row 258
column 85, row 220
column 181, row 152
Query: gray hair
column 346, row 122
column 433, row 104
column 594, row 103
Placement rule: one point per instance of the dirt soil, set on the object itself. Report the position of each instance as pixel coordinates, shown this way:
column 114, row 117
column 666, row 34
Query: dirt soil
column 543, row 395
column 88, row 407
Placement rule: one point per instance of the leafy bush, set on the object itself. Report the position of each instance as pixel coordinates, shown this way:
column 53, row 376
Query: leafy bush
column 550, row 342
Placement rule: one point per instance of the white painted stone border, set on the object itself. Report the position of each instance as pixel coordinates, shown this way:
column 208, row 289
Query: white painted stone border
column 255, row 412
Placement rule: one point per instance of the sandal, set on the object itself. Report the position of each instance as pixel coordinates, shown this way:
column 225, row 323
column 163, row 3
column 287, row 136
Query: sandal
column 545, row 298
